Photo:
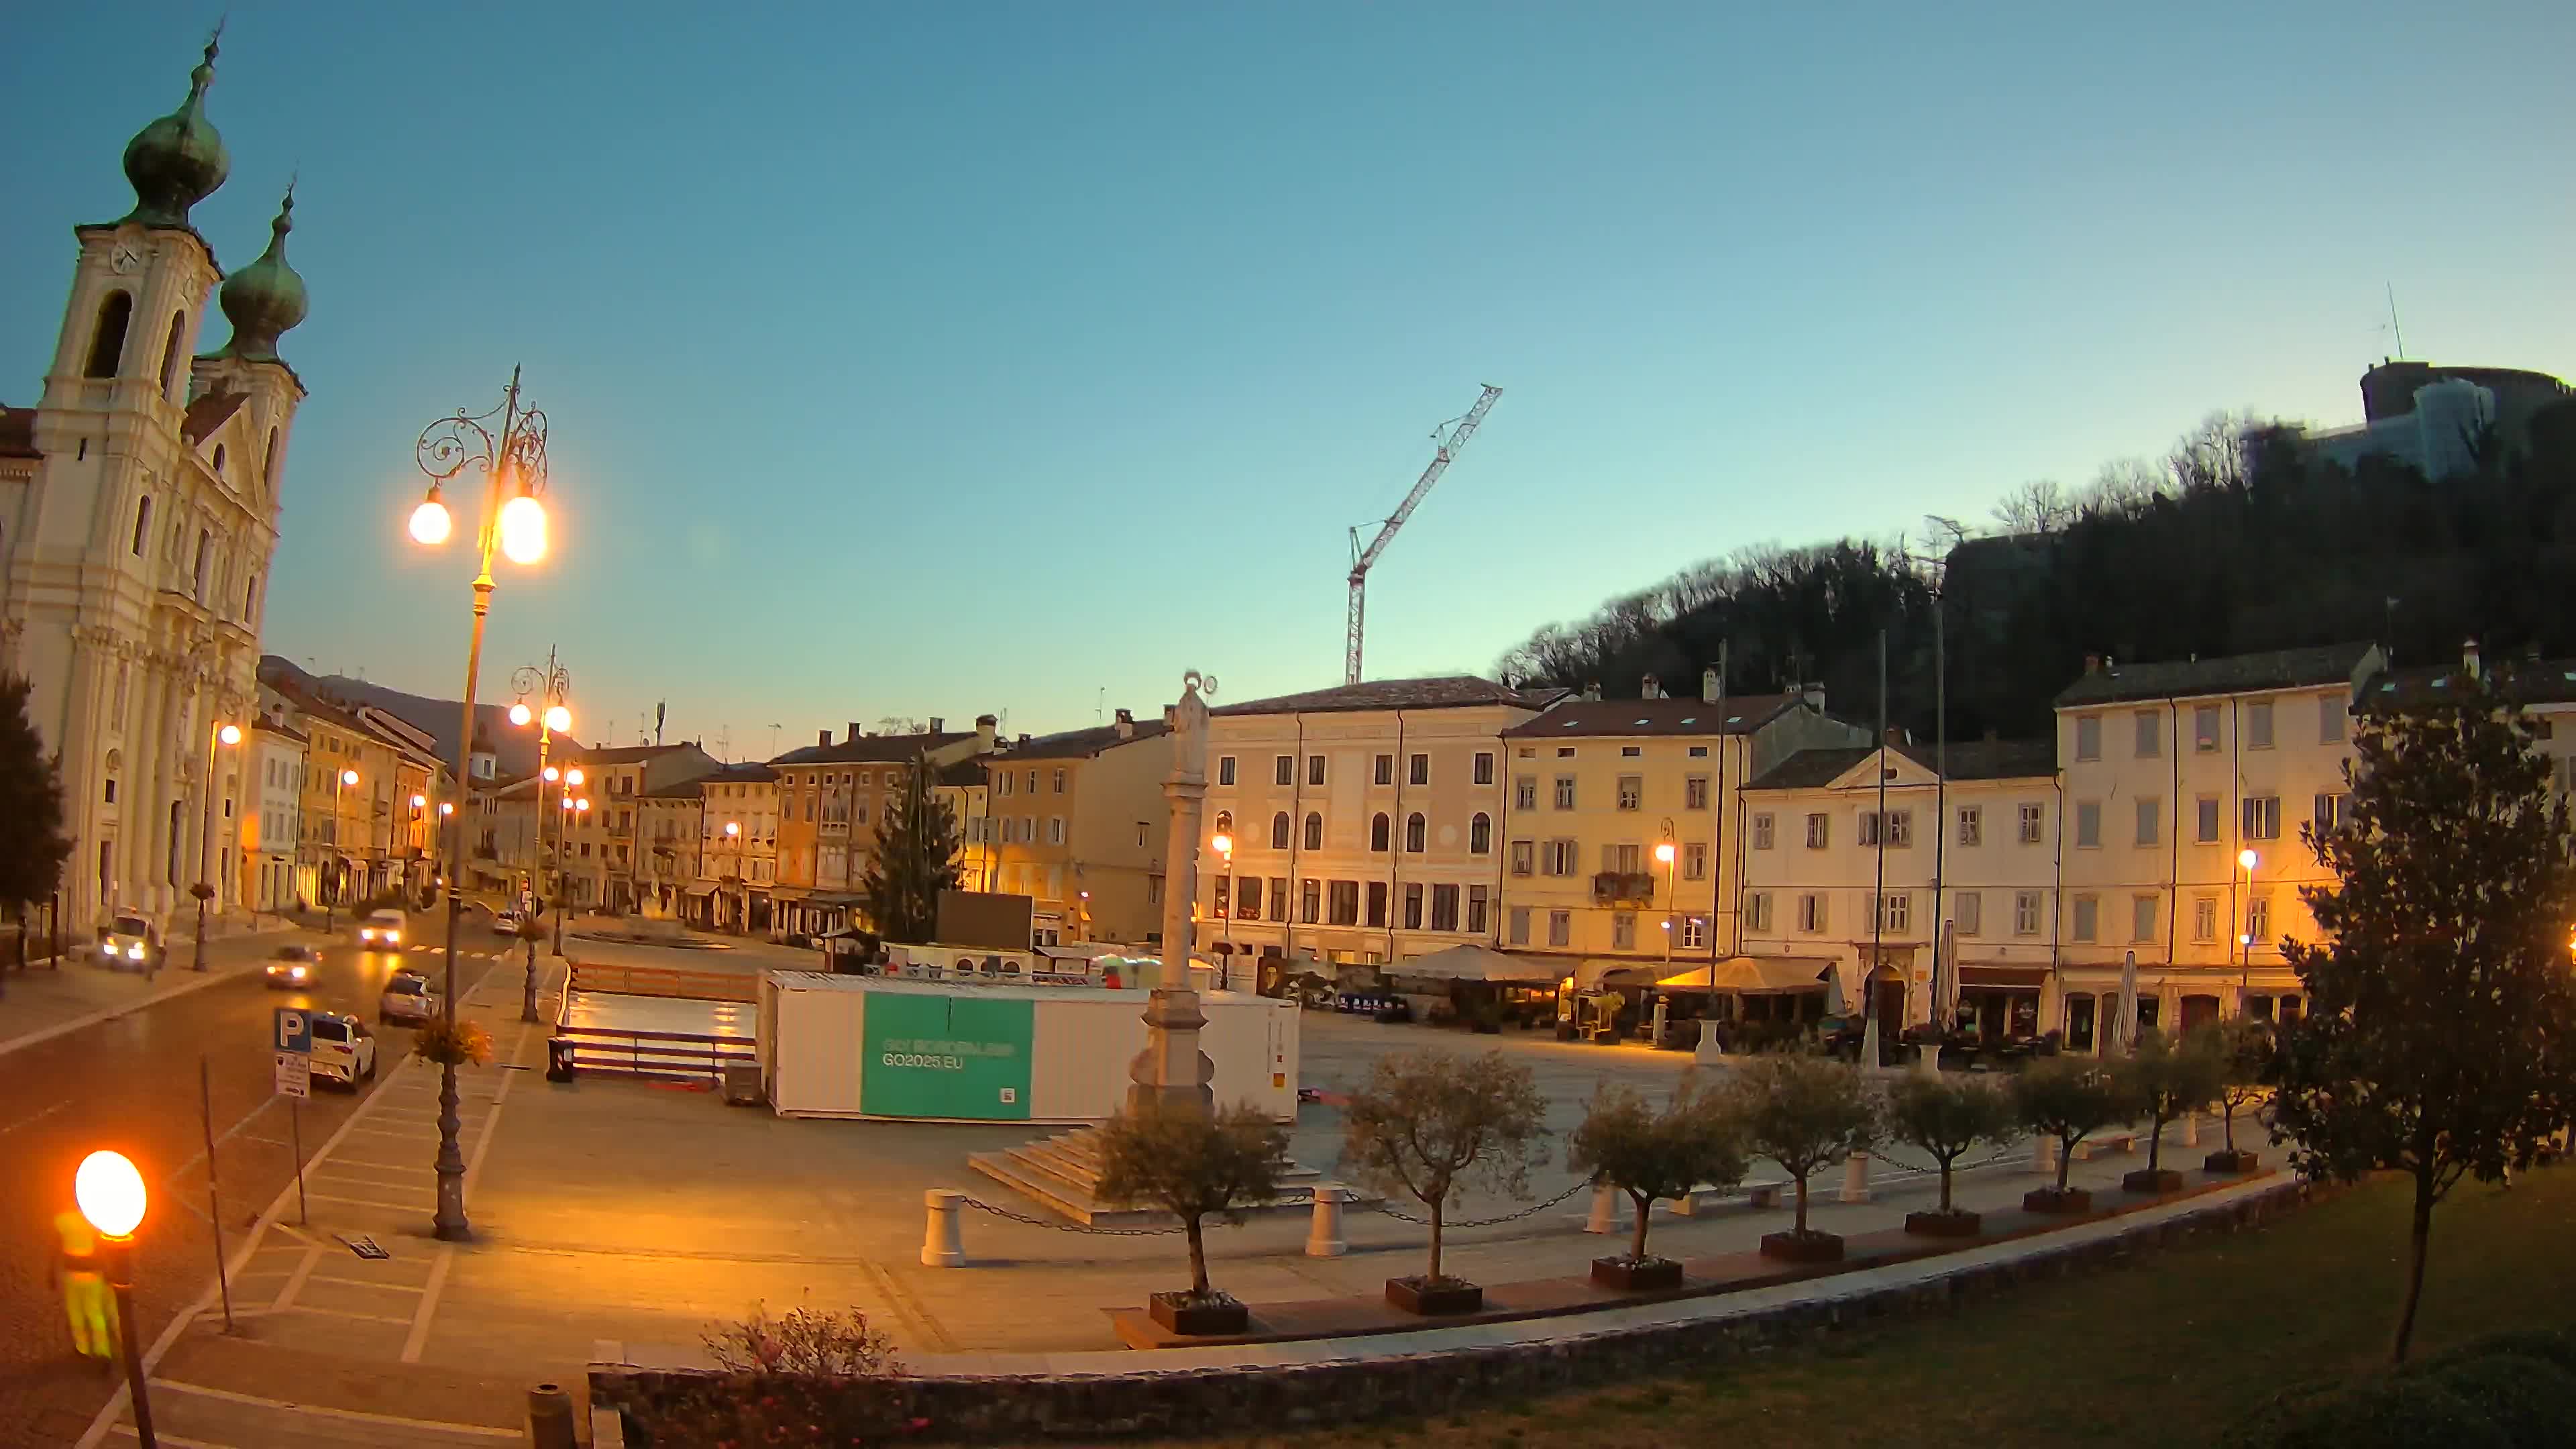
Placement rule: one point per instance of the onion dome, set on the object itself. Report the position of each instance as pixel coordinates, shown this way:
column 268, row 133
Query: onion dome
column 265, row 299
column 178, row 160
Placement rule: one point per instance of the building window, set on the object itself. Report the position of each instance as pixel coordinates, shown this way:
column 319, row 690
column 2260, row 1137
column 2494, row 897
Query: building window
column 2204, row 729
column 2262, row 817
column 111, row 790
column 2258, row 726
column 1058, row 782
column 1418, row 770
column 1623, row 931
column 1346, row 903
column 1222, row 892
column 1480, row 834
column 1518, row 918
column 2204, row 918
column 1247, row 904
column 2150, row 742
column 1377, row 903
column 1762, row 831
column 1558, row 857
column 2258, row 920
column 2142, row 918
column 1055, row 830
column 1757, row 911
column 1224, row 824
column 2205, row 820
column 1414, row 830
column 2033, row 817
column 2088, row 737
column 1413, row 906
column 1523, row 852
column 1314, row 769
column 2330, row 719
column 2088, row 824
column 2088, row 912
column 1444, row 908
column 1695, row 932
column 1006, row 778
column 1525, row 792
column 1811, row 913
column 2025, row 913
column 1378, row 832
column 1484, row 771
column 2331, row 810
column 1630, row 752
column 1632, row 792
column 1225, row 769
column 1565, row 792
column 2150, row 811
column 1820, row 831
column 1314, row 831
column 1968, row 912
column 1284, row 770
column 1560, row 928
column 1279, row 831
column 142, row 519
column 1310, row 900
column 1279, row 898
column 1895, row 910
column 1695, row 860
column 1385, row 770
column 1695, row 792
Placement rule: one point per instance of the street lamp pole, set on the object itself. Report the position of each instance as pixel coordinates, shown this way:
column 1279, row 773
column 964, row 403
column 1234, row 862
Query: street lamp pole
column 1664, row 856
column 1224, row 845
column 2245, row 936
column 345, row 777
column 733, row 847
column 205, row 889
column 514, row 469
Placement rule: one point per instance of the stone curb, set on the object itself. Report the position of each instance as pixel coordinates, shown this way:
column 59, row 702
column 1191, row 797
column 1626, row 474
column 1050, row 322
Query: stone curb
column 1003, row 1398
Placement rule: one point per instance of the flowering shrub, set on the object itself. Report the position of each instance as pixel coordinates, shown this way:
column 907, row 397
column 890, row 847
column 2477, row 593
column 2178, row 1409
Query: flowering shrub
column 461, row 1044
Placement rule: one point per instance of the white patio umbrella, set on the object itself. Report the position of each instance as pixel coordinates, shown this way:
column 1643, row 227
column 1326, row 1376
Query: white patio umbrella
column 1835, row 1001
column 2126, row 1026
column 1945, row 977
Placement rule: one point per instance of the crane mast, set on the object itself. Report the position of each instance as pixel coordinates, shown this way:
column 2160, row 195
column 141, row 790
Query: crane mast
column 1362, row 558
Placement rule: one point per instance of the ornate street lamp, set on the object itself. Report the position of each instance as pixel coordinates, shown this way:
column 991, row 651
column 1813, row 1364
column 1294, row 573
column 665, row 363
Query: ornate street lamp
column 110, row 1195
column 551, row 686
column 204, row 889
column 513, row 520
column 330, row 897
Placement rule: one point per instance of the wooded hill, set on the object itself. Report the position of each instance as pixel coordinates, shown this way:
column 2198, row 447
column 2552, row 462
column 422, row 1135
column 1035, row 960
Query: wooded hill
column 2237, row 540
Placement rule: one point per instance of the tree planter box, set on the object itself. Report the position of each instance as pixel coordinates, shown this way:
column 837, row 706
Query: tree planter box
column 1431, row 1297
column 1188, row 1313
column 1957, row 1223
column 2161, row 1180
column 1809, row 1247
column 1629, row 1276
column 2230, row 1162
column 2050, row 1200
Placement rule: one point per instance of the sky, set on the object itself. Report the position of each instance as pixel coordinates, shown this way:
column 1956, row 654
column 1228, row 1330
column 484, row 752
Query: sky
column 929, row 360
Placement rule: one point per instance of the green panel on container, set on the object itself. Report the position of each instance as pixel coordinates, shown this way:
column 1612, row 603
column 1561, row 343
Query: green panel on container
column 946, row 1056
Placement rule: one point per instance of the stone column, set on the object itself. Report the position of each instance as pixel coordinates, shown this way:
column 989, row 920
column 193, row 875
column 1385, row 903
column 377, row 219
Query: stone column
column 1171, row 1074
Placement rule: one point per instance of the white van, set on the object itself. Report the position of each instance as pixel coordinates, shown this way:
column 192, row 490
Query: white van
column 129, row 943
column 383, row 928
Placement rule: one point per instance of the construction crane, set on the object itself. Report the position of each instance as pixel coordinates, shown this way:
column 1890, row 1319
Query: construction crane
column 1460, row 430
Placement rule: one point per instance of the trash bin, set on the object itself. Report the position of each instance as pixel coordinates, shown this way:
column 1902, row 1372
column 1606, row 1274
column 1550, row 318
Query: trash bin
column 559, row 1059
column 742, row 1084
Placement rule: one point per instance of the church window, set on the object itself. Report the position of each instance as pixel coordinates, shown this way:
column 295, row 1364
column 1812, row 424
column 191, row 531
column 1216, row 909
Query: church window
column 219, row 460
column 170, row 357
column 250, row 601
column 205, row 550
column 268, row 464
column 142, row 523
column 107, row 341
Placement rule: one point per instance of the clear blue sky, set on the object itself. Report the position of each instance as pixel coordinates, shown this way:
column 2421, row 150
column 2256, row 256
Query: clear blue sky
column 913, row 360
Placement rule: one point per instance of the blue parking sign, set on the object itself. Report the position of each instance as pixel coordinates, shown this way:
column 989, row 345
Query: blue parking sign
column 294, row 1031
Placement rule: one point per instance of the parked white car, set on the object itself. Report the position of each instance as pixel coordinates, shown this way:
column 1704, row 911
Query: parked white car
column 344, row 1051
column 383, row 928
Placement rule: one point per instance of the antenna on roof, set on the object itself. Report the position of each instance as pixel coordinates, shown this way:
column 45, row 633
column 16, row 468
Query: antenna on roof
column 2393, row 325
column 661, row 707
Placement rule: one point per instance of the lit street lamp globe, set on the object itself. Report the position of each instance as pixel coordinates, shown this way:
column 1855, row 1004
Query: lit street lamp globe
column 430, row 523
column 110, row 1193
column 523, row 530
column 559, row 719
column 348, row 777
column 520, row 714
column 229, row 734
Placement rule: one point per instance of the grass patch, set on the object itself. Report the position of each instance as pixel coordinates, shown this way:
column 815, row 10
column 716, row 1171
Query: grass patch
column 2163, row 1354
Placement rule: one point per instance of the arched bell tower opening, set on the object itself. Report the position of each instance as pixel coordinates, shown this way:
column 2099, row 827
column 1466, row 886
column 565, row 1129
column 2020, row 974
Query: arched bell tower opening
column 107, row 339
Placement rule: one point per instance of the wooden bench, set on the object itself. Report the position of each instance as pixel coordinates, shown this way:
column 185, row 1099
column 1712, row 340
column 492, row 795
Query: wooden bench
column 2106, row 1143
column 1699, row 1201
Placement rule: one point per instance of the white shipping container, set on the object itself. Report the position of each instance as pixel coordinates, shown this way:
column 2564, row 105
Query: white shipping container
column 956, row 1052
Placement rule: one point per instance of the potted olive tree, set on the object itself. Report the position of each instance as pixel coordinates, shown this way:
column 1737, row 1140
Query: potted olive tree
column 1428, row 1122
column 2069, row 1099
column 2168, row 1078
column 2244, row 1049
column 1805, row 1113
column 1946, row 1117
column 1650, row 1154
column 1194, row 1168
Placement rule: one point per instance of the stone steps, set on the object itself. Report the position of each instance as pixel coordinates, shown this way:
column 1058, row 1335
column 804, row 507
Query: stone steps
column 1062, row 1174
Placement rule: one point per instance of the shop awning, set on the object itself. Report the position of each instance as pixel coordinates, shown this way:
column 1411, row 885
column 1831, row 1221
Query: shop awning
column 707, row 889
column 1597, row 972
column 1476, row 963
column 1754, row 975
column 834, row 899
column 2018, row 978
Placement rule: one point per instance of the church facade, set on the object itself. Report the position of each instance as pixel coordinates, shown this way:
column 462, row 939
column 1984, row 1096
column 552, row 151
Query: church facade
column 138, row 517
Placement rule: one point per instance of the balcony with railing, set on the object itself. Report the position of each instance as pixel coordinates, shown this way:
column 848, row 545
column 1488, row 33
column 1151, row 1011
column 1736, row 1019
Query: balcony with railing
column 1623, row 888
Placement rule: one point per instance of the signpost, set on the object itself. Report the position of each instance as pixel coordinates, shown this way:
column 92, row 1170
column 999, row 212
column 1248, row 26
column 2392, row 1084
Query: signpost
column 292, row 1043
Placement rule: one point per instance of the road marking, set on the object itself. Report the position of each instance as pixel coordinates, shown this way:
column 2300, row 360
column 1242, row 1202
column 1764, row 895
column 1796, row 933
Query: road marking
column 355, row 1416
column 173, row 1440
column 391, row 1207
column 342, row 1169
column 295, row 1280
column 366, row 1283
column 343, row 1313
column 428, row 1309
column 32, row 1118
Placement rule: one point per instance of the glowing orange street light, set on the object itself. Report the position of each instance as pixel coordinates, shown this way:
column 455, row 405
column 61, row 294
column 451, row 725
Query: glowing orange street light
column 111, row 1197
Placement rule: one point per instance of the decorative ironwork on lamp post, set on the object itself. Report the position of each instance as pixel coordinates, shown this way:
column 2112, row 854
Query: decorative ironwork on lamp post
column 513, row 463
column 551, row 685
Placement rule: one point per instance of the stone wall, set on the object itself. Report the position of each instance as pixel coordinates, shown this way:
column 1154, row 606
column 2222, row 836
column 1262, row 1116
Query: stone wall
column 1564, row 1354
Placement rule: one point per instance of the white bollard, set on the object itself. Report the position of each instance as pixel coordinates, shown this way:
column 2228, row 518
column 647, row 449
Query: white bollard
column 1928, row 1058
column 940, row 1245
column 1856, row 1178
column 2043, row 1156
column 2191, row 1129
column 1324, row 1234
column 1605, row 1210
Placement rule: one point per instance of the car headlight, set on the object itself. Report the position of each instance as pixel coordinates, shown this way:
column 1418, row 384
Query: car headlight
column 393, row 938
column 297, row 973
column 108, row 950
column 366, row 935
column 134, row 952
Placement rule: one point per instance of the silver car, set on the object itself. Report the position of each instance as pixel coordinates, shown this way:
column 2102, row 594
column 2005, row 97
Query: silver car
column 408, row 998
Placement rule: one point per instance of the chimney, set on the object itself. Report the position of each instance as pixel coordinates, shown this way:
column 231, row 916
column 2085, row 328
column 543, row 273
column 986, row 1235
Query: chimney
column 1708, row 685
column 854, row 733
column 938, row 725
column 1126, row 725
column 1650, row 688
column 824, row 737
column 2469, row 658
column 1024, row 740
column 1592, row 691
column 1815, row 696
column 985, row 724
column 2092, row 663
